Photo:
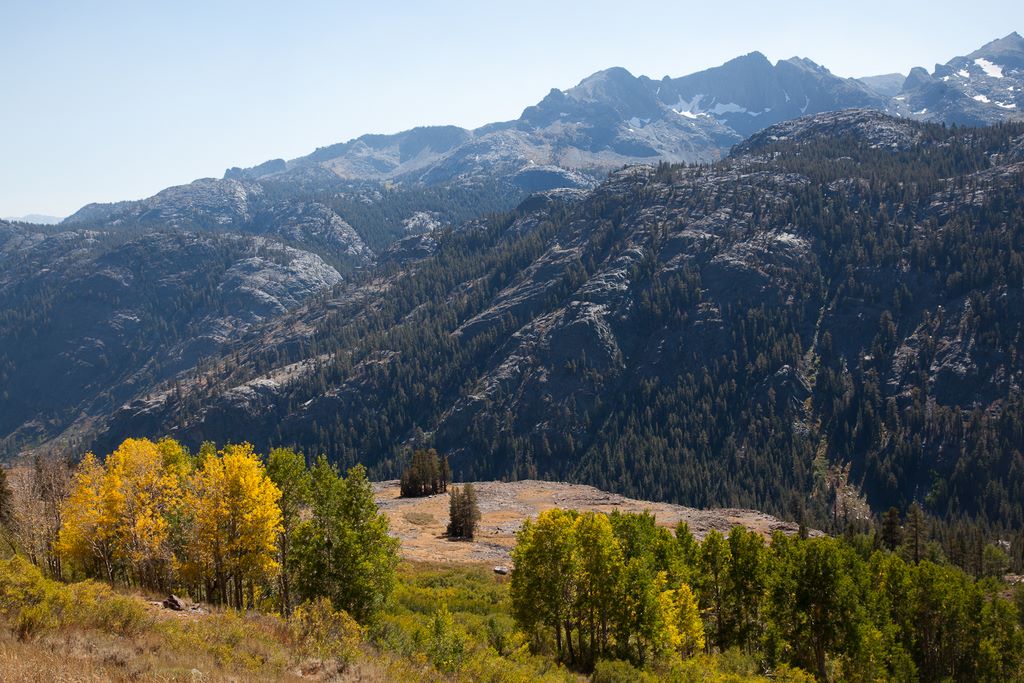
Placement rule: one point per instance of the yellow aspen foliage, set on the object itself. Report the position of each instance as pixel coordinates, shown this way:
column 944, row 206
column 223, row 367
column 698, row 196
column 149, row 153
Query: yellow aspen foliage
column 117, row 513
column 87, row 535
column 141, row 491
column 682, row 620
column 235, row 524
column 175, row 457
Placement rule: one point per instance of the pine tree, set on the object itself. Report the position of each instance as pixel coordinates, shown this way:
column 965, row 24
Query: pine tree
column 892, row 534
column 463, row 512
column 426, row 475
column 914, row 534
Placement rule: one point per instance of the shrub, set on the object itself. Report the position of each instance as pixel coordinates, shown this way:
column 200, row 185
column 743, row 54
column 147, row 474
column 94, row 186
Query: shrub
column 97, row 606
column 619, row 671
column 34, row 604
column 320, row 631
column 446, row 643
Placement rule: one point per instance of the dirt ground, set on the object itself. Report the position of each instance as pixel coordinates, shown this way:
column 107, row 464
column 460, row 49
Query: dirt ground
column 420, row 522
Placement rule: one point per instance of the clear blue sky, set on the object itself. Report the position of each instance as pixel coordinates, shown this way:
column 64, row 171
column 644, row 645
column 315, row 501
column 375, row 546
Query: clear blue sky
column 101, row 101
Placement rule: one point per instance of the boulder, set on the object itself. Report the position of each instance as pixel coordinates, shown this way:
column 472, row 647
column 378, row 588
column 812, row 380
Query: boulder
column 173, row 602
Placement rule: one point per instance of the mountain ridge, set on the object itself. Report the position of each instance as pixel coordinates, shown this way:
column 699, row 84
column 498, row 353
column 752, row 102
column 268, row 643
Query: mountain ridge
column 573, row 137
column 582, row 341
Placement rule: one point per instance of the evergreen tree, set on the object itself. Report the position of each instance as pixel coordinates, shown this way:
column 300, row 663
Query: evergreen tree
column 914, row 538
column 427, row 475
column 463, row 512
column 892, row 534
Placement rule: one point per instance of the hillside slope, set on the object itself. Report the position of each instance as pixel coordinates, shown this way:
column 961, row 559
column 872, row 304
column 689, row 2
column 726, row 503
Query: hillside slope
column 837, row 303
column 88, row 319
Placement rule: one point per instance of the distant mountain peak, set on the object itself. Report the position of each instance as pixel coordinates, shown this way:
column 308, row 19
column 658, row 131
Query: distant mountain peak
column 1005, row 51
column 615, row 83
column 805, row 63
column 755, row 57
column 37, row 218
column 980, row 88
column 609, row 119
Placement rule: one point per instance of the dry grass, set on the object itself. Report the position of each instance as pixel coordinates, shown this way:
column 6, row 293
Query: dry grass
column 95, row 657
column 420, row 523
column 50, row 631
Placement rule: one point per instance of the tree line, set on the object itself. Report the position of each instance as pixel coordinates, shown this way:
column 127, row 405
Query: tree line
column 226, row 526
column 588, row 587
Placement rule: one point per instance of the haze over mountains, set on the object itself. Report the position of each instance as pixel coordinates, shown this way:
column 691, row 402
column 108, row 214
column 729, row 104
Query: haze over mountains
column 661, row 332
column 37, row 218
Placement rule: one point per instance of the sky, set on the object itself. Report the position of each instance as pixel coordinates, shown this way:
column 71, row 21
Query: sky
column 104, row 101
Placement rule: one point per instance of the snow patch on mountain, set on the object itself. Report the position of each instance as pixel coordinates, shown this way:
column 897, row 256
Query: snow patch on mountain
column 727, row 108
column 993, row 70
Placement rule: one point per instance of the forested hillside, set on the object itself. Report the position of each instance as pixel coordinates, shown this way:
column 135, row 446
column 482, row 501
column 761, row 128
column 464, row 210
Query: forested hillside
column 834, row 310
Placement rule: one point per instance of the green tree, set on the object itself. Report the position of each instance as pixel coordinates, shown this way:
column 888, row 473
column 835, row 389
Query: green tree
column 287, row 468
column 814, row 601
column 714, row 563
column 428, row 474
column 995, row 561
column 600, row 580
column 746, row 578
column 688, row 555
column 463, row 512
column 544, row 577
column 892, row 534
column 642, row 631
column 914, row 534
column 343, row 551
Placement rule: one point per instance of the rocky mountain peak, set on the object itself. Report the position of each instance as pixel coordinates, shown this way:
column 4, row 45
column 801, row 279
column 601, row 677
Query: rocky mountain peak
column 1008, row 50
column 981, row 88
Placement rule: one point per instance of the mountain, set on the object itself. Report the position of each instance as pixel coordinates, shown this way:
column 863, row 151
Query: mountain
column 609, row 119
column 36, row 218
column 88, row 319
column 830, row 314
column 571, row 138
column 984, row 87
column 749, row 93
column 887, row 85
column 772, row 327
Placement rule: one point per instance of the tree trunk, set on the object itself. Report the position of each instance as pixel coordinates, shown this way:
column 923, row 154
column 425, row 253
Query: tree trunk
column 286, row 602
column 568, row 640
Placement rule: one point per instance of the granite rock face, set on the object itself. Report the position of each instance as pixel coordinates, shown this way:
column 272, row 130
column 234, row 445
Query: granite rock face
column 92, row 318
